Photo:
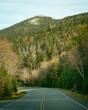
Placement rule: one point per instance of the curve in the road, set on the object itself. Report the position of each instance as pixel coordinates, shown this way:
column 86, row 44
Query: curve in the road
column 44, row 99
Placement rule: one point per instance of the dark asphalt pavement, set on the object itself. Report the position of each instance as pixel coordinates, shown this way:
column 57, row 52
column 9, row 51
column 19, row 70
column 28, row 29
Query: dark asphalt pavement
column 44, row 99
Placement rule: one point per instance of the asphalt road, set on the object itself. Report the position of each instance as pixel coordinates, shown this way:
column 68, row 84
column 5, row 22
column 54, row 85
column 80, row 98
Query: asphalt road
column 44, row 99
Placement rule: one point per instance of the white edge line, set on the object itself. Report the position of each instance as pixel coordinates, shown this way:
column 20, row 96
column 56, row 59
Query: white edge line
column 73, row 100
column 9, row 104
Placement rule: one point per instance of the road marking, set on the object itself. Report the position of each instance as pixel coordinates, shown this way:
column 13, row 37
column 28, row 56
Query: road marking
column 9, row 104
column 73, row 100
column 42, row 105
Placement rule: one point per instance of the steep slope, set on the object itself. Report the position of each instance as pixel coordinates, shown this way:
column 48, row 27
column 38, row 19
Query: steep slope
column 40, row 39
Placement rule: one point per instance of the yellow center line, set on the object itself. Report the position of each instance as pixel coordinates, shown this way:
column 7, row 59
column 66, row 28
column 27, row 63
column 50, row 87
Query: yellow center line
column 42, row 105
column 44, row 102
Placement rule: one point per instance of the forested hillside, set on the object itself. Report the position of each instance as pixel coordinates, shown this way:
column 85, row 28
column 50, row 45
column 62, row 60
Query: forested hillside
column 42, row 51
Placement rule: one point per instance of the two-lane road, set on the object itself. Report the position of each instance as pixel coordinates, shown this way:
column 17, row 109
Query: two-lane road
column 44, row 99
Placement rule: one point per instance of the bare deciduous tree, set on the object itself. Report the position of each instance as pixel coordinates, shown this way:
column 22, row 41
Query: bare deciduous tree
column 77, row 62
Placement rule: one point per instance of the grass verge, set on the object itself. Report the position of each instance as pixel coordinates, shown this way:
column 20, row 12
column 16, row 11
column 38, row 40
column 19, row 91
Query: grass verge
column 16, row 95
column 78, row 96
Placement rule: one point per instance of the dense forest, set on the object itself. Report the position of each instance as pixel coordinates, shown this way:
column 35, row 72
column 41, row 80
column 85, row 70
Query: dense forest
column 47, row 52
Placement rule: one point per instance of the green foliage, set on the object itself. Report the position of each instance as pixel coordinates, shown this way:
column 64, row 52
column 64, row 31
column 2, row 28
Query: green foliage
column 37, row 43
column 7, row 87
column 50, row 79
column 85, row 86
column 70, row 77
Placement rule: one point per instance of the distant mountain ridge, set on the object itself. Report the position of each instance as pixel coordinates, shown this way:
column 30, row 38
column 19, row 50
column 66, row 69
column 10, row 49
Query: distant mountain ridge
column 39, row 39
column 30, row 25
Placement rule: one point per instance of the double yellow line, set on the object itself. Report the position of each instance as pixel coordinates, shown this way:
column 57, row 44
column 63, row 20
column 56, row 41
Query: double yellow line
column 42, row 106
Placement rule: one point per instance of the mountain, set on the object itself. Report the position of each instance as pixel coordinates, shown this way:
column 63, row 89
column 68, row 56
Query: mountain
column 31, row 47
column 29, row 26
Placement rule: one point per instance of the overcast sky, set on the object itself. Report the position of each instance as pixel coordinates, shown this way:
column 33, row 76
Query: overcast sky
column 14, row 11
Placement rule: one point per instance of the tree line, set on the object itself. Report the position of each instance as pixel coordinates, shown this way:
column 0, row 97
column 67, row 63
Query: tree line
column 67, row 39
